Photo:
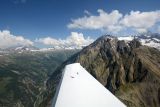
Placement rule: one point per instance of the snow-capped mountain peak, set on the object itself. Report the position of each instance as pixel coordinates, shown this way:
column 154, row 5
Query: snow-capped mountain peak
column 148, row 39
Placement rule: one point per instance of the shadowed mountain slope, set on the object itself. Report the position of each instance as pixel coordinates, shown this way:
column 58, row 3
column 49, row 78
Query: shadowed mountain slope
column 128, row 69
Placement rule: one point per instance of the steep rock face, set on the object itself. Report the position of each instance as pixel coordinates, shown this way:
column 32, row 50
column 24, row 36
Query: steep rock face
column 129, row 70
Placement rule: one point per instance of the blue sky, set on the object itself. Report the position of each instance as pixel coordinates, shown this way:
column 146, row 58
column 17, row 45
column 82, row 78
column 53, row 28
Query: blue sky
column 51, row 18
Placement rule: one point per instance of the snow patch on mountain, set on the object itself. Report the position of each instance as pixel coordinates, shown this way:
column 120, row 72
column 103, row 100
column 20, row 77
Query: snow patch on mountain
column 150, row 43
column 127, row 38
column 148, row 39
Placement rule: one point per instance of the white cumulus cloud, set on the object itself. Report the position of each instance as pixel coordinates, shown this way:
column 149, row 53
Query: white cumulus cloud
column 141, row 21
column 8, row 40
column 104, row 21
column 75, row 40
column 116, row 21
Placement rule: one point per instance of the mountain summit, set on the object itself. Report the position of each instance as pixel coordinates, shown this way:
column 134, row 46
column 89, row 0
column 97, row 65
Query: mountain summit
column 129, row 70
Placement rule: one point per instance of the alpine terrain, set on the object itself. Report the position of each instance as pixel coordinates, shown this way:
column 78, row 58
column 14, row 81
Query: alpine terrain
column 23, row 74
column 130, row 70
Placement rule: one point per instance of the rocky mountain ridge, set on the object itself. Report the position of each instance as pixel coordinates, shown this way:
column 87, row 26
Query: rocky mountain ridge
column 129, row 70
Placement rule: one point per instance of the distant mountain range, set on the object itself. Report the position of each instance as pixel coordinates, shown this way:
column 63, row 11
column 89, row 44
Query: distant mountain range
column 149, row 39
column 23, row 49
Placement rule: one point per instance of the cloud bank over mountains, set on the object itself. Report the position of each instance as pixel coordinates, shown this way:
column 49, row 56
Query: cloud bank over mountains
column 75, row 40
column 115, row 21
column 8, row 40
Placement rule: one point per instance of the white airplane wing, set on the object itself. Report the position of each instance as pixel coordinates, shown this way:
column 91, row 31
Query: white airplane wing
column 80, row 89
